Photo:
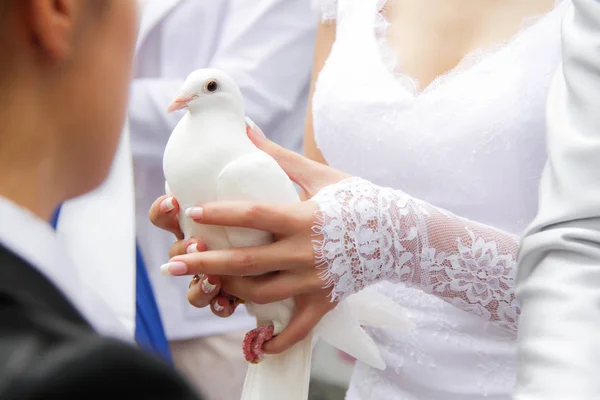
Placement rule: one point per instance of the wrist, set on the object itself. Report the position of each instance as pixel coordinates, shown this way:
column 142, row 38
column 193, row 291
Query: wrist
column 346, row 240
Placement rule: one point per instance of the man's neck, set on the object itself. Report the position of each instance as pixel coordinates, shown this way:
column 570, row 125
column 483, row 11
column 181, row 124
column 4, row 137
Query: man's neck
column 30, row 186
column 29, row 173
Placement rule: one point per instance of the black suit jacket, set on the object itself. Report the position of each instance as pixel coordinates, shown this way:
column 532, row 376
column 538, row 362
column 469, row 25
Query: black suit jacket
column 48, row 351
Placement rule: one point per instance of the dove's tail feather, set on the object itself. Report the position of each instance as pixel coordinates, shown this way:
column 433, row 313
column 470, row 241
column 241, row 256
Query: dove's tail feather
column 379, row 311
column 341, row 327
column 281, row 376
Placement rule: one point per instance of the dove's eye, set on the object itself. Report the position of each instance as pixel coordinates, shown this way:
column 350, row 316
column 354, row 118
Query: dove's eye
column 212, row 86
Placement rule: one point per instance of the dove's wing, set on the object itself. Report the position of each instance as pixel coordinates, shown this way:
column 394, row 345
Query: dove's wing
column 258, row 177
column 254, row 177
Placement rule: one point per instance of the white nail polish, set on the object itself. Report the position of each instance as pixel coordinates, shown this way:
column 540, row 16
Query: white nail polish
column 208, row 287
column 164, row 270
column 218, row 307
column 250, row 123
column 255, row 129
column 194, row 212
column 175, row 268
column 192, row 248
column 167, row 204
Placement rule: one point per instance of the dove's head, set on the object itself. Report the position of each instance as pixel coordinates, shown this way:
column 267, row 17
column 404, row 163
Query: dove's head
column 209, row 90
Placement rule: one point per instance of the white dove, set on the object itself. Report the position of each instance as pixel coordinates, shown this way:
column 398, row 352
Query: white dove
column 210, row 158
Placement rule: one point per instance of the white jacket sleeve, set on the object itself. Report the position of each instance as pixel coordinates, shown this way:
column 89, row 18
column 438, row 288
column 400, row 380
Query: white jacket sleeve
column 559, row 271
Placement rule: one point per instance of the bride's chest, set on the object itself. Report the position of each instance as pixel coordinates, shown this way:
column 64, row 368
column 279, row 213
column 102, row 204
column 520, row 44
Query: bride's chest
column 430, row 37
column 368, row 121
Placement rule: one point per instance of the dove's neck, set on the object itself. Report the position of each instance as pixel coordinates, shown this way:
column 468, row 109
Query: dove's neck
column 229, row 125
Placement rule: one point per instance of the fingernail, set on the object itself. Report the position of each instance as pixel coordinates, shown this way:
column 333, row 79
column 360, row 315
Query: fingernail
column 250, row 124
column 218, row 307
column 208, row 287
column 192, row 248
column 254, row 128
column 173, row 268
column 167, row 205
column 194, row 212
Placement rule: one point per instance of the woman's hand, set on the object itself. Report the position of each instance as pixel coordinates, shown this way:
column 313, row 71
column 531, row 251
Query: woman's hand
column 204, row 290
column 273, row 272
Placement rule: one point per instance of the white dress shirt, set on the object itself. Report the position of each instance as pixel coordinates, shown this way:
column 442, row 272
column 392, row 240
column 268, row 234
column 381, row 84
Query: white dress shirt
column 267, row 46
column 98, row 231
column 559, row 271
column 34, row 240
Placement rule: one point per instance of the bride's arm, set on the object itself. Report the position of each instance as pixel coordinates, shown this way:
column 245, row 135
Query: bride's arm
column 373, row 234
column 325, row 39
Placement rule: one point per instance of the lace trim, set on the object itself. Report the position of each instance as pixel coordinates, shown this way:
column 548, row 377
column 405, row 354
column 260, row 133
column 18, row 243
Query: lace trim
column 372, row 234
column 390, row 59
column 328, row 9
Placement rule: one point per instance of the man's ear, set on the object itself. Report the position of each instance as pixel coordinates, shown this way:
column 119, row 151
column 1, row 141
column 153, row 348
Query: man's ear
column 53, row 25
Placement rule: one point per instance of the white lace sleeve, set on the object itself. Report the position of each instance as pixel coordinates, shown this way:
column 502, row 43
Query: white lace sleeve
column 328, row 9
column 371, row 234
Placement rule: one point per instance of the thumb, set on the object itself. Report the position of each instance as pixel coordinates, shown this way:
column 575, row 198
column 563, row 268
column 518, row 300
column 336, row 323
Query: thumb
column 310, row 175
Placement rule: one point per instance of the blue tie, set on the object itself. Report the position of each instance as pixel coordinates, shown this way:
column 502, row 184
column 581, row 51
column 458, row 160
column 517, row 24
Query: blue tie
column 149, row 332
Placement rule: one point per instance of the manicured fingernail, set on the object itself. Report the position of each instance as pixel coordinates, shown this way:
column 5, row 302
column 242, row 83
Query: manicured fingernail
column 254, row 128
column 218, row 307
column 167, row 205
column 208, row 287
column 192, row 248
column 250, row 124
column 173, row 268
column 194, row 212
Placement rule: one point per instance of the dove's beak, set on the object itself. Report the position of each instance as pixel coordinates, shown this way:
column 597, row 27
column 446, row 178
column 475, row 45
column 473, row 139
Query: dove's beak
column 181, row 101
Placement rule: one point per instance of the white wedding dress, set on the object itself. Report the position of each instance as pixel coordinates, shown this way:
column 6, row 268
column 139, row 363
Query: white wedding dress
column 464, row 157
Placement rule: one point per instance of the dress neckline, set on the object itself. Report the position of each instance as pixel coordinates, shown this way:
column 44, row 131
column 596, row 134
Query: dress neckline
column 470, row 62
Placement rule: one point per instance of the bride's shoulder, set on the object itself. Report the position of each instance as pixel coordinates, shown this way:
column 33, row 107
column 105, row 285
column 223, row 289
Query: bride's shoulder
column 327, row 8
